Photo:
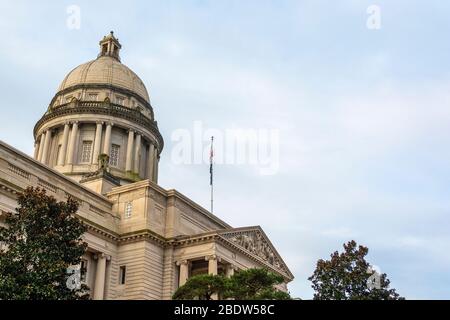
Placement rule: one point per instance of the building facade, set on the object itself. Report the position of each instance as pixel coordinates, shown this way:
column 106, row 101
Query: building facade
column 99, row 142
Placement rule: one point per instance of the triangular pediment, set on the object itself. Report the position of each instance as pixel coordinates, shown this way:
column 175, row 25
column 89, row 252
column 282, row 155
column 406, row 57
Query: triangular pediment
column 254, row 241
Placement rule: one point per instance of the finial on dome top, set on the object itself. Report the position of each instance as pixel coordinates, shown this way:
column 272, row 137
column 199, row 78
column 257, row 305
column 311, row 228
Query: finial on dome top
column 110, row 46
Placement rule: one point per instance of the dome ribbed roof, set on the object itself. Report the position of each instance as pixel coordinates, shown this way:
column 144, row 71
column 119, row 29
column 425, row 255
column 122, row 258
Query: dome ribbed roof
column 106, row 70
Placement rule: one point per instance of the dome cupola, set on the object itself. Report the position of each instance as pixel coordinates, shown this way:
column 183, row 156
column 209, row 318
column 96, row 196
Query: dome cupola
column 110, row 46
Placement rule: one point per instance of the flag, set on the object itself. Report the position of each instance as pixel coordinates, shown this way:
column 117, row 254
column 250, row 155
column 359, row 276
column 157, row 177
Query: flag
column 211, row 155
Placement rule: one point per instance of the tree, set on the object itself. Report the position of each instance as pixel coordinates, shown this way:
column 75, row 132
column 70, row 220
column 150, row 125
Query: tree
column 250, row 284
column 348, row 276
column 201, row 287
column 255, row 284
column 39, row 243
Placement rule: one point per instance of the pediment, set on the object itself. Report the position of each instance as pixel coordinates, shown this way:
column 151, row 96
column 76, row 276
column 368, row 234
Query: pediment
column 254, row 241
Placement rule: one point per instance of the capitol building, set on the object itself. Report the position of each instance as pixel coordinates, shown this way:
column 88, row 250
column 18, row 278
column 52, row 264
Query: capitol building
column 99, row 142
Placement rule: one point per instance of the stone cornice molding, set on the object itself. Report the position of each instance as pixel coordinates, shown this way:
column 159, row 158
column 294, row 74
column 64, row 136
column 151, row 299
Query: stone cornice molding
column 143, row 235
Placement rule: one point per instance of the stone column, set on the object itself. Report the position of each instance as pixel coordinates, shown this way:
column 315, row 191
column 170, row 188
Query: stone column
column 107, row 145
column 212, row 269
column 137, row 153
column 36, row 149
column 155, row 166
column 41, row 147
column 97, row 142
column 63, row 151
column 72, row 144
column 150, row 159
column 230, row 270
column 212, row 264
column 156, row 169
column 99, row 286
column 48, row 135
column 130, row 143
column 184, row 272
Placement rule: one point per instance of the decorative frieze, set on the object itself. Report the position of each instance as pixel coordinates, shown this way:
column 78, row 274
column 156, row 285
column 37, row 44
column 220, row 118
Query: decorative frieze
column 18, row 171
column 254, row 242
column 46, row 185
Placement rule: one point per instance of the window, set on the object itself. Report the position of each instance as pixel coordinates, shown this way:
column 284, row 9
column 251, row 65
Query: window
column 92, row 96
column 86, row 151
column 122, row 274
column 114, row 156
column 120, row 100
column 128, row 209
column 83, row 270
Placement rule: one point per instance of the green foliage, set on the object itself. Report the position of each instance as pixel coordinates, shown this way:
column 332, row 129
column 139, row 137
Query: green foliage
column 201, row 287
column 348, row 276
column 255, row 284
column 39, row 243
column 251, row 284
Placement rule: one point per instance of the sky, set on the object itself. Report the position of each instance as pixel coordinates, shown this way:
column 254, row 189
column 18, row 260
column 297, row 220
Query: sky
column 362, row 114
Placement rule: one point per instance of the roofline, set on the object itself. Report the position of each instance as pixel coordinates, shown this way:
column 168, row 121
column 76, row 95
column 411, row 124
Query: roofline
column 170, row 193
column 53, row 172
column 218, row 233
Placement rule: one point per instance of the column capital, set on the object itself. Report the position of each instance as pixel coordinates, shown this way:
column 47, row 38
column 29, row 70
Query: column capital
column 233, row 267
column 182, row 262
column 99, row 122
column 212, row 257
column 102, row 255
column 109, row 123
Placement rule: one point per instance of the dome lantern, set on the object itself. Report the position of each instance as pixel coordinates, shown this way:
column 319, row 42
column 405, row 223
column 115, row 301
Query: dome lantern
column 110, row 46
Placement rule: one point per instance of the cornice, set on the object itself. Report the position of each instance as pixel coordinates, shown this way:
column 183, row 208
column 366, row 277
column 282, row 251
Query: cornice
column 288, row 275
column 145, row 234
column 181, row 197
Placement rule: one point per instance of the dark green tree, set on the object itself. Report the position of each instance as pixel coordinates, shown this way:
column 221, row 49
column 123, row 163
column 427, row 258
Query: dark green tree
column 250, row 284
column 201, row 287
column 38, row 245
column 348, row 276
column 255, row 284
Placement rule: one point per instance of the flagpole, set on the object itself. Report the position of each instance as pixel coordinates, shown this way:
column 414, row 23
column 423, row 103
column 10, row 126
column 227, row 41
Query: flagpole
column 211, row 180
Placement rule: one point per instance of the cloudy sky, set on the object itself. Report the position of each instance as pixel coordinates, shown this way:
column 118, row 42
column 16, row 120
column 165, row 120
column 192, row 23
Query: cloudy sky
column 363, row 115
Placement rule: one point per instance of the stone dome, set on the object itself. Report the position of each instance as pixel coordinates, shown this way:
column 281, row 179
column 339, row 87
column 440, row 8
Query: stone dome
column 106, row 70
column 101, row 111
